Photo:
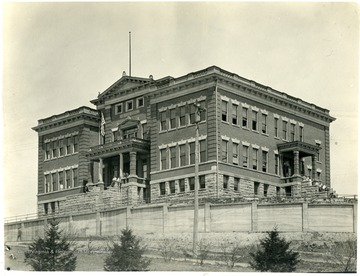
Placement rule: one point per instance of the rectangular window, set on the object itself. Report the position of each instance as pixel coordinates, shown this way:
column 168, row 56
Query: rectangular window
column 69, row 145
column 163, row 120
column 182, row 118
column 285, row 130
column 276, row 164
column 276, row 127
column 203, row 112
column 76, row 143
column 47, row 183
column 55, row 149
column 192, row 152
column 234, row 114
column 202, row 181
column 182, row 185
column 75, row 177
column 61, row 147
column 129, row 105
column 163, row 159
column 255, row 159
column 115, row 135
column 182, row 150
column 288, row 191
column 224, row 151
column 118, row 108
column 256, row 188
column 224, row 111
column 292, row 132
column 172, row 118
column 172, row 157
column 61, row 180
column 244, row 117
column 52, row 205
column 162, row 188
column 277, row 191
column 225, row 181
column 130, row 133
column 54, row 182
column 301, row 134
column 254, row 120
column 264, row 161
column 202, row 151
column 47, row 151
column 68, row 179
column 140, row 102
column 192, row 183
column 235, row 148
column 236, row 183
column 172, row 187
column 192, row 113
column 266, row 188
column 318, row 153
column 245, row 155
column 145, row 131
column 264, row 123
column 46, row 208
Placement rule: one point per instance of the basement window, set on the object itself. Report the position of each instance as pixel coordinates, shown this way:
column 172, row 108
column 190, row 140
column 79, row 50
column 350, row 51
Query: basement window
column 172, row 187
column 202, row 182
column 162, row 188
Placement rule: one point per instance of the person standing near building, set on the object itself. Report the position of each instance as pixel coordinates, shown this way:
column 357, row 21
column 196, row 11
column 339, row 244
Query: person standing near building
column 19, row 234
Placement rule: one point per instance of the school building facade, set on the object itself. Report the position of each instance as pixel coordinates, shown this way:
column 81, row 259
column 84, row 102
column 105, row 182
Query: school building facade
column 137, row 146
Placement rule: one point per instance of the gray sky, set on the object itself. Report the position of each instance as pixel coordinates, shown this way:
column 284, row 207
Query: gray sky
column 58, row 56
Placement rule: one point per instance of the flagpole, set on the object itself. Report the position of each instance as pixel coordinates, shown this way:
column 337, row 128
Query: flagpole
column 130, row 54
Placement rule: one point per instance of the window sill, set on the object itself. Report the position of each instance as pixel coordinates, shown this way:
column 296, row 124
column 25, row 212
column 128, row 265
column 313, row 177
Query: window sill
column 245, row 128
column 255, row 131
column 277, row 138
column 265, row 134
column 225, row 122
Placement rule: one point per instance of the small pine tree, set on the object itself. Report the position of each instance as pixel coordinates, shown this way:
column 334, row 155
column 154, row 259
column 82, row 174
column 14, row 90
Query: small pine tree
column 128, row 255
column 274, row 255
column 53, row 253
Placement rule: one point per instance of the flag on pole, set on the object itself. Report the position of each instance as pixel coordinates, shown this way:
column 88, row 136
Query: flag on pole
column 102, row 131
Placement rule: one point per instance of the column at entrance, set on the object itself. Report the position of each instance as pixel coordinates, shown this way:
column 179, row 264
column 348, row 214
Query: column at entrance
column 313, row 167
column 121, row 164
column 296, row 163
column 101, row 168
column 133, row 164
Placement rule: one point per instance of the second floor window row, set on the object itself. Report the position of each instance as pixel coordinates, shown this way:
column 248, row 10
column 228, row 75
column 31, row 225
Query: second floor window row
column 61, row 147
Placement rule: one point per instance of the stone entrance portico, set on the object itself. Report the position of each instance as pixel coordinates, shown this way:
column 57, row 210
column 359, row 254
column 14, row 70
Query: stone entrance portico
column 292, row 170
column 123, row 166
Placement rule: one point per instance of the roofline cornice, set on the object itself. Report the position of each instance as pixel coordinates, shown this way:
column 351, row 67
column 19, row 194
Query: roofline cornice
column 170, row 84
column 86, row 119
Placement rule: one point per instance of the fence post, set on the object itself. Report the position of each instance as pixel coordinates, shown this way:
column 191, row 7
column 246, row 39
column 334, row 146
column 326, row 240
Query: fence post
column 305, row 217
column 254, row 217
column 70, row 224
column 207, row 226
column 165, row 218
column 98, row 223
column 45, row 226
column 355, row 205
column 128, row 217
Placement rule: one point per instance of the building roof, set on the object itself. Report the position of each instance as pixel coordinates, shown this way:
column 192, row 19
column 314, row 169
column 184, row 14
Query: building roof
column 122, row 86
column 66, row 117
